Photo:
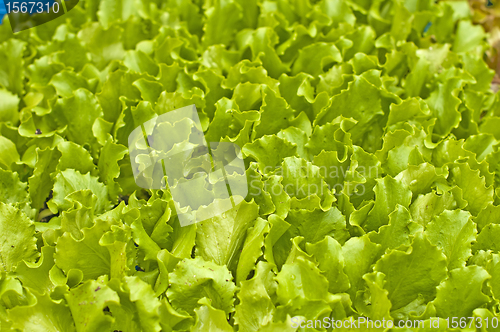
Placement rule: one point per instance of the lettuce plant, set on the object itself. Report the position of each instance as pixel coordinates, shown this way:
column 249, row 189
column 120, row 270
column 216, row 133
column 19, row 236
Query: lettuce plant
column 370, row 136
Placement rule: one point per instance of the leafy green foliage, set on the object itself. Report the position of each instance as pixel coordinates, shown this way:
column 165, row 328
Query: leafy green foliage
column 371, row 141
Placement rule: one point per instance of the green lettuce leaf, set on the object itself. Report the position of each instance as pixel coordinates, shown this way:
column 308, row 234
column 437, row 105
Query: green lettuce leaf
column 194, row 279
column 462, row 292
column 417, row 271
column 21, row 243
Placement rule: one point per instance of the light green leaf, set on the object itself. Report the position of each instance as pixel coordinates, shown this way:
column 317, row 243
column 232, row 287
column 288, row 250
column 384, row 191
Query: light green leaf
column 78, row 112
column 86, row 254
column 417, row 271
column 487, row 239
column 473, row 187
column 328, row 254
column 425, row 207
column 70, row 181
column 359, row 255
column 19, row 243
column 397, row 233
column 252, row 249
column 66, row 82
column 375, row 303
column 468, row 37
column 323, row 54
column 12, row 67
column 453, row 232
column 269, row 151
column 46, row 315
column 389, row 193
column 444, row 103
column 210, row 319
column 194, row 279
column 276, row 114
column 138, row 308
column 9, row 108
column 12, row 190
column 220, row 238
column 109, row 169
column 315, row 224
column 493, row 268
column 104, row 45
column 262, row 42
column 489, row 215
column 87, row 302
column 302, row 181
column 41, row 182
column 420, row 178
column 256, row 307
column 36, row 275
column 8, row 153
column 462, row 292
column 300, row 281
column 219, row 31
column 74, row 156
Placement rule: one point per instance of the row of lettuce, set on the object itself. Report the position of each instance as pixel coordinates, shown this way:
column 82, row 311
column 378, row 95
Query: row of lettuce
column 370, row 136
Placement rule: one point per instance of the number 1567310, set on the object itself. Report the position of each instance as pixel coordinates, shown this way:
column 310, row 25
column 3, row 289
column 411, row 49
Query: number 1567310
column 32, row 7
